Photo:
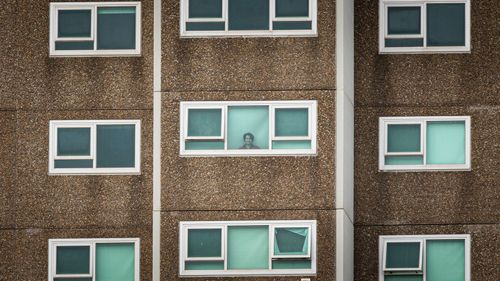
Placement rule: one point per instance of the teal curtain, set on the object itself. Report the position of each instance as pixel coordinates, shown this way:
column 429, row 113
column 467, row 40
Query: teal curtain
column 403, row 20
column 205, row 8
column 248, row 247
column 248, row 14
column 446, row 142
column 204, row 265
column 291, row 241
column 292, row 8
column 404, row 160
column 115, row 262
column 291, row 122
column 403, row 138
column 204, row 122
column 402, row 255
column 446, row 24
column 115, row 146
column 73, row 260
column 204, row 243
column 291, row 264
column 116, row 28
column 248, row 119
column 445, row 260
column 292, row 144
column 74, row 23
column 73, row 141
column 204, row 145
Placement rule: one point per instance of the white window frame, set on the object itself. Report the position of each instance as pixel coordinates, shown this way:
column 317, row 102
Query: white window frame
column 184, row 18
column 309, row 241
column 383, row 27
column 91, row 242
column 93, row 6
column 402, row 240
column 384, row 239
column 183, row 230
column 311, row 105
column 92, row 124
column 384, row 122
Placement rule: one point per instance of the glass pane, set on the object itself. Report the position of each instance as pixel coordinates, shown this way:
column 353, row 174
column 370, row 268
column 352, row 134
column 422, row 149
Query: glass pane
column 204, row 122
column 201, row 26
column 291, row 241
column 291, row 264
column 204, row 145
column 67, row 46
column 73, row 141
column 74, row 23
column 248, row 247
column 205, row 8
column 204, row 265
column 115, row 262
column 248, row 14
column 416, row 42
column 116, row 28
column 292, row 8
column 291, row 25
column 403, row 278
column 446, row 142
column 404, row 160
column 446, row 24
column 73, row 164
column 72, row 279
column 115, row 146
column 445, row 260
column 403, row 138
column 403, row 20
column 248, row 127
column 291, row 144
column 73, row 260
column 291, row 122
column 403, row 255
column 204, row 243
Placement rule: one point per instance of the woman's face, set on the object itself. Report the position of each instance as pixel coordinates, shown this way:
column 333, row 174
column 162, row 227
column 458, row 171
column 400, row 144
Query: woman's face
column 248, row 140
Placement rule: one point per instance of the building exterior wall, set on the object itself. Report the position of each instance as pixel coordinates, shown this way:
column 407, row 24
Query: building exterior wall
column 467, row 202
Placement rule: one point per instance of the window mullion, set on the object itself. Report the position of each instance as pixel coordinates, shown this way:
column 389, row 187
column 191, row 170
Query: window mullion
column 424, row 25
column 423, row 133
column 93, row 145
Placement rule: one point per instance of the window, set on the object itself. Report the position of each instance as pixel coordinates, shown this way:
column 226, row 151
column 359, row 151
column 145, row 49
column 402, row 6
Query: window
column 424, row 258
column 246, row 248
column 95, row 29
column 248, row 128
column 110, row 259
column 94, row 147
column 202, row 18
column 419, row 26
column 424, row 143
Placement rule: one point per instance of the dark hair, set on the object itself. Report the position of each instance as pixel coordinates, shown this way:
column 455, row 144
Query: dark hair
column 248, row 134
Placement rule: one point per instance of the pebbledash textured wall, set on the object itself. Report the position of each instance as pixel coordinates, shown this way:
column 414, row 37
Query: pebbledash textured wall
column 248, row 188
column 35, row 89
column 426, row 85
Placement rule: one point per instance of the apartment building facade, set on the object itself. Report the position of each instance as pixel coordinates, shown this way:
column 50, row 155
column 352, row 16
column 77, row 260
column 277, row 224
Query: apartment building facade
column 216, row 140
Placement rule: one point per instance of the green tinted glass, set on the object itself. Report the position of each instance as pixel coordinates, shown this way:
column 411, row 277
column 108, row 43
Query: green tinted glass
column 445, row 142
column 204, row 145
column 292, row 8
column 403, row 278
column 291, row 25
column 291, row 264
column 403, row 20
column 72, row 279
column 73, row 141
column 402, row 255
column 291, row 241
column 446, row 24
column 412, row 42
column 445, row 260
column 115, row 146
column 204, row 265
column 248, row 247
column 291, row 122
column 73, row 163
column 204, row 243
column 115, row 262
column 205, row 8
column 116, row 28
column 248, row 14
column 403, row 138
column 74, row 23
column 73, row 260
column 202, row 26
column 248, row 119
column 204, row 122
column 404, row 160
column 66, row 46
column 291, row 144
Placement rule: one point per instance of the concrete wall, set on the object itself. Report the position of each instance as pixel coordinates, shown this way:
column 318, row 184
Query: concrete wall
column 426, row 85
column 35, row 89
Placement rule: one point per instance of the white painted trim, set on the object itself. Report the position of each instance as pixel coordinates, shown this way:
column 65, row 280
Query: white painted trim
column 425, row 49
column 185, row 225
column 423, row 120
column 394, row 238
column 412, row 240
column 184, row 18
column 91, row 242
column 272, row 240
column 93, row 6
column 55, row 124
